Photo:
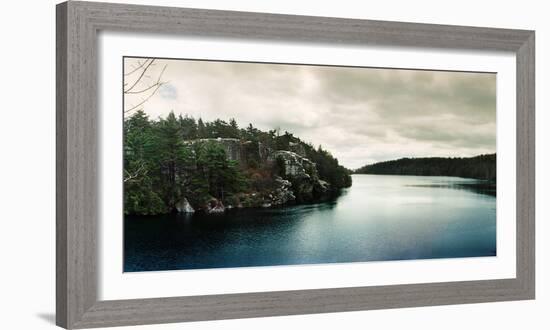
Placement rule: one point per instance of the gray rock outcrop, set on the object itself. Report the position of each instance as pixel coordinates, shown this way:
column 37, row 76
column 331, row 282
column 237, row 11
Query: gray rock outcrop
column 302, row 174
column 239, row 150
column 283, row 193
column 299, row 180
column 215, row 206
column 183, row 206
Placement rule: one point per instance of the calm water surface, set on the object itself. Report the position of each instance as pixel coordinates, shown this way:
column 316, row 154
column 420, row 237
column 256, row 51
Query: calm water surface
column 379, row 218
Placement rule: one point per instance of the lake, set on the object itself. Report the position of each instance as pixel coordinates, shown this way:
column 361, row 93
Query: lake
column 381, row 217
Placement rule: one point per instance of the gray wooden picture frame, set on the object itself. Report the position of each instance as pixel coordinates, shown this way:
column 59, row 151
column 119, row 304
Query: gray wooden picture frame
column 78, row 24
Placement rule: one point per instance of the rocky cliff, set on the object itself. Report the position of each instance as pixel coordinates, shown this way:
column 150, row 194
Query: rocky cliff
column 181, row 164
column 237, row 149
column 293, row 177
column 302, row 174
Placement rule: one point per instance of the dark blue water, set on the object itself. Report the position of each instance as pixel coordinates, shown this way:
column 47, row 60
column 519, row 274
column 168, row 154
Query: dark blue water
column 379, row 218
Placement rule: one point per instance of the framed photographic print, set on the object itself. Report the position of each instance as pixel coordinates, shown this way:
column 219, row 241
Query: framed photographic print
column 216, row 164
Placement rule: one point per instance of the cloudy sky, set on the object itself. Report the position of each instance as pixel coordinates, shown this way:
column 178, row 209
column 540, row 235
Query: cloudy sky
column 361, row 115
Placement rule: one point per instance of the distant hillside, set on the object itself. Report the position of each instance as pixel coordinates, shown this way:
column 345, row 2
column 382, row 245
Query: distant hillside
column 478, row 167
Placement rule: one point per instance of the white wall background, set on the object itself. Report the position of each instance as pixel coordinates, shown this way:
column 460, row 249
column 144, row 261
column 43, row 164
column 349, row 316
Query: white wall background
column 27, row 165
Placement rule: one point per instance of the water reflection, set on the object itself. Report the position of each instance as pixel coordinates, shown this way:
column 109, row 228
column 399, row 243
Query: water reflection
column 481, row 187
column 378, row 218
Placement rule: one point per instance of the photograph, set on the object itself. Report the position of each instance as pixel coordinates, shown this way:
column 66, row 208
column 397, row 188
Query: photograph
column 246, row 164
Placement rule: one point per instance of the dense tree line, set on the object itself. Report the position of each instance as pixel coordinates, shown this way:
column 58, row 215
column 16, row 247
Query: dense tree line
column 160, row 169
column 168, row 159
column 478, row 167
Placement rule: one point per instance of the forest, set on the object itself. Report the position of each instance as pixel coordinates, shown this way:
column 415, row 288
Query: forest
column 481, row 167
column 179, row 163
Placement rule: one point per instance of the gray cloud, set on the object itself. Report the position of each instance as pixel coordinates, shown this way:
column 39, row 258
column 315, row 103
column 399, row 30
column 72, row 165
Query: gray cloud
column 168, row 91
column 362, row 115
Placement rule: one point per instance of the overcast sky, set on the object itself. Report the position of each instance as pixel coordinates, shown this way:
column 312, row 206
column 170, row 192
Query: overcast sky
column 361, row 115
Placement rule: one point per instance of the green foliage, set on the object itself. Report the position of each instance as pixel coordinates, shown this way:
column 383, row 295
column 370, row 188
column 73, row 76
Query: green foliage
column 189, row 127
column 328, row 167
column 140, row 198
column 139, row 162
column 201, row 129
column 479, row 167
column 172, row 158
column 171, row 161
column 221, row 129
column 216, row 175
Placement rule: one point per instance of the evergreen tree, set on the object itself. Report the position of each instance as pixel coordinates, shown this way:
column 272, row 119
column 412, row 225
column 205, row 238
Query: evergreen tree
column 234, row 131
column 139, row 153
column 201, row 129
column 188, row 127
column 221, row 174
column 164, row 162
column 173, row 157
column 478, row 167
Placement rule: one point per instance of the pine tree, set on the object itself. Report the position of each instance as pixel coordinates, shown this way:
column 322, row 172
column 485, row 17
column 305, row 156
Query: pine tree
column 188, row 127
column 163, row 162
column 173, row 158
column 201, row 129
column 139, row 154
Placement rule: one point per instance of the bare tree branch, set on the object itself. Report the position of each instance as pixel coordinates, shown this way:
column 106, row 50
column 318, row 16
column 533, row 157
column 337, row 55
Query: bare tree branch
column 158, row 82
column 148, row 89
column 144, row 100
column 140, row 76
column 140, row 65
column 129, row 177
